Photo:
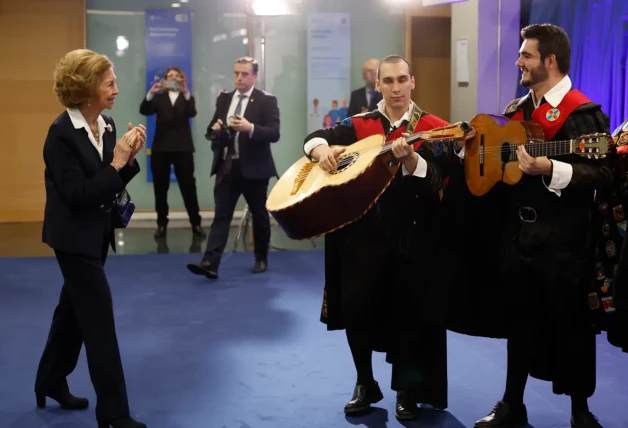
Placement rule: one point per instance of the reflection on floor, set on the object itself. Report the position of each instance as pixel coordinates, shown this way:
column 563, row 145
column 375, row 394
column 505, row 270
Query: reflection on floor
column 24, row 240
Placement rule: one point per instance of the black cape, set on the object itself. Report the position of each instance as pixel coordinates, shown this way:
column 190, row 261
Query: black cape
column 469, row 288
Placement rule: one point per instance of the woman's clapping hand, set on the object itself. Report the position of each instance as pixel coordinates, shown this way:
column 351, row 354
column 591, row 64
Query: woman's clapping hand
column 129, row 146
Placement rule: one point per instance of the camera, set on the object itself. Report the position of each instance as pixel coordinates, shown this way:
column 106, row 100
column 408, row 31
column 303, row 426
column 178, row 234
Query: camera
column 171, row 84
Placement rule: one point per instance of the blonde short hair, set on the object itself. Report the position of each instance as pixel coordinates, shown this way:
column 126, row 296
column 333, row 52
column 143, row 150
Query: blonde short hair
column 77, row 76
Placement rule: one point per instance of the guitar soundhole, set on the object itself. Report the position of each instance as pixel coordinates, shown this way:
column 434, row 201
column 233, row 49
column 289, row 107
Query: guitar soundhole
column 507, row 151
column 345, row 162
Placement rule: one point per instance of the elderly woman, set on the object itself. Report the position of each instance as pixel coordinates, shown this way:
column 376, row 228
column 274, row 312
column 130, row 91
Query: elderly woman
column 85, row 168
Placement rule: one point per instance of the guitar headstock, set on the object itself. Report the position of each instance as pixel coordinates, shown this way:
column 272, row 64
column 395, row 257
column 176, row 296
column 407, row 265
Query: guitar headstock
column 594, row 146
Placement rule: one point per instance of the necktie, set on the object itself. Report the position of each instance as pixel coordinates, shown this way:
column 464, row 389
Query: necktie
column 228, row 163
column 238, row 110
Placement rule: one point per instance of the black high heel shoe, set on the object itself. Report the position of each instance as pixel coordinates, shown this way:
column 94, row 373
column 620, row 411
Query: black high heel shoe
column 127, row 422
column 65, row 399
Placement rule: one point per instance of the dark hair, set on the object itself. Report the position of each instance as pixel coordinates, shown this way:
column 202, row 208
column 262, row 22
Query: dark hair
column 552, row 41
column 249, row 60
column 394, row 59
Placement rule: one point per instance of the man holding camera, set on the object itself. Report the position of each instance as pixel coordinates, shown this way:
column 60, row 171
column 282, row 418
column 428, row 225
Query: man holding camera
column 245, row 123
column 174, row 106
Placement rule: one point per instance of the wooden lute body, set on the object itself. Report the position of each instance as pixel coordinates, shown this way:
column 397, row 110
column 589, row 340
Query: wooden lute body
column 308, row 202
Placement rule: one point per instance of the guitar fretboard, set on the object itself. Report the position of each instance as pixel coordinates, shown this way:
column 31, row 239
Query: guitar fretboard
column 430, row 144
column 548, row 148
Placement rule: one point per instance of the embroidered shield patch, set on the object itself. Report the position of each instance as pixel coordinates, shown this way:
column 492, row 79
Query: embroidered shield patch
column 552, row 114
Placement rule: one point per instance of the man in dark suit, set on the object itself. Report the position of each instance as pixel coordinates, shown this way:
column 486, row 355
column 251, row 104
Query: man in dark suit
column 173, row 104
column 244, row 125
column 366, row 98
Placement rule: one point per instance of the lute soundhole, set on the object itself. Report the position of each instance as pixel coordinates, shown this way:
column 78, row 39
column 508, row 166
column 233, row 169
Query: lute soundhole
column 345, row 162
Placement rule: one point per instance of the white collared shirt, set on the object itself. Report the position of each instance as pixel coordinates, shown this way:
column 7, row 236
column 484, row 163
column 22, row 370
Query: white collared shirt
column 561, row 171
column 79, row 122
column 421, row 167
column 406, row 116
column 555, row 95
column 231, row 112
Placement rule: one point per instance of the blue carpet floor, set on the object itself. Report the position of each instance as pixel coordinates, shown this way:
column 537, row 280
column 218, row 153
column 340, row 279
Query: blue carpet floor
column 247, row 351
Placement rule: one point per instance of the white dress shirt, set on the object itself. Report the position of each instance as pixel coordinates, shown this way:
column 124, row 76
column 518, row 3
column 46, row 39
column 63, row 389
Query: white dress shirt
column 231, row 112
column 421, row 168
column 79, row 122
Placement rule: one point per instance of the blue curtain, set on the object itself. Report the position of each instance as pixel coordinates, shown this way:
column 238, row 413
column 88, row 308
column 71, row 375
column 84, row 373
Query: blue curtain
column 598, row 30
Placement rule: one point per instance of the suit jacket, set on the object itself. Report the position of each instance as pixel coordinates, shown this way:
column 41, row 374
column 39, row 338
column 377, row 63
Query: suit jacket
column 172, row 128
column 80, row 188
column 256, row 158
column 358, row 100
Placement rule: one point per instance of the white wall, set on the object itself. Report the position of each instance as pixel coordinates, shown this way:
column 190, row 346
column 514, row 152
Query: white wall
column 493, row 47
column 464, row 25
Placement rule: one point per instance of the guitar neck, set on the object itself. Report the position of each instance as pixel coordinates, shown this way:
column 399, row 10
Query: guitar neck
column 430, row 139
column 420, row 141
column 550, row 148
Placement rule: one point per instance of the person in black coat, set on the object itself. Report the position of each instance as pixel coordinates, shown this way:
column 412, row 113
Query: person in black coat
column 85, row 168
column 245, row 124
column 174, row 106
column 612, row 255
column 372, row 290
column 522, row 257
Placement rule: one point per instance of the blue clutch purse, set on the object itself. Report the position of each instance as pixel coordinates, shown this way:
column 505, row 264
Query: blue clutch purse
column 123, row 210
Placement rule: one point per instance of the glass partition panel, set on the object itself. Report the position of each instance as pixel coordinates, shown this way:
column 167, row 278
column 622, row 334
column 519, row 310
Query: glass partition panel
column 219, row 35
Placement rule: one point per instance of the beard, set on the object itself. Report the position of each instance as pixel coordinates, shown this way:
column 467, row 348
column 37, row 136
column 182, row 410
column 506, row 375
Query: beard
column 535, row 75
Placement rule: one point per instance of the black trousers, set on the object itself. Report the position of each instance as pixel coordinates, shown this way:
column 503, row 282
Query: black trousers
column 183, row 163
column 227, row 191
column 85, row 315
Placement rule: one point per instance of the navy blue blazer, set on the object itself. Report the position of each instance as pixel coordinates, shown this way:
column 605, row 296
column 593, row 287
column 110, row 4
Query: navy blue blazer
column 256, row 158
column 80, row 188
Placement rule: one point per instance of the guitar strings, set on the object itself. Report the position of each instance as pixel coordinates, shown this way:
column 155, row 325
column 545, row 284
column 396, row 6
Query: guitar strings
column 346, row 160
column 489, row 152
column 544, row 145
column 513, row 156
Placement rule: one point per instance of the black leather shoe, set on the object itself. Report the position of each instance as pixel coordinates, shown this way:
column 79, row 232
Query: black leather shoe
column 260, row 266
column 504, row 415
column 160, row 232
column 203, row 268
column 406, row 406
column 584, row 420
column 363, row 397
column 199, row 232
column 121, row 423
column 64, row 398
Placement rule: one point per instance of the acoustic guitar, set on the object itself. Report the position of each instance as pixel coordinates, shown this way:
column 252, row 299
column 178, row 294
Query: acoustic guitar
column 491, row 155
column 308, row 202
